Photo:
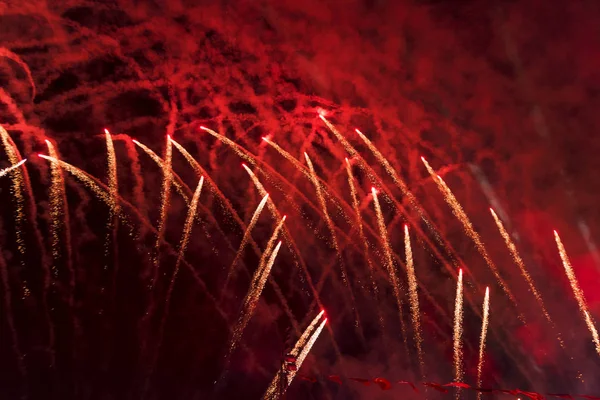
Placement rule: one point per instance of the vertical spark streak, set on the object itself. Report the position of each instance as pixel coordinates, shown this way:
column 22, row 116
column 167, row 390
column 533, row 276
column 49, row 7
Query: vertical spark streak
column 329, row 223
column 389, row 264
column 363, row 238
column 59, row 215
column 577, row 292
column 458, row 211
column 17, row 192
column 458, row 328
column 519, row 261
column 484, row 328
column 185, row 238
column 414, row 299
column 164, row 206
column 245, row 239
column 12, row 167
column 256, row 287
column 110, row 242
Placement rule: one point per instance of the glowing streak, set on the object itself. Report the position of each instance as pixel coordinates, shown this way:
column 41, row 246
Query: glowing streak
column 363, row 238
column 458, row 211
column 301, row 350
column 291, row 159
column 414, row 299
column 254, row 292
column 86, row 180
column 307, row 348
column 391, row 172
column 519, row 261
column 389, row 264
column 484, row 328
column 17, row 191
column 577, row 292
column 177, row 185
column 245, row 238
column 329, row 222
column 113, row 185
column 12, row 167
column 234, row 146
column 185, row 238
column 164, row 206
column 458, row 329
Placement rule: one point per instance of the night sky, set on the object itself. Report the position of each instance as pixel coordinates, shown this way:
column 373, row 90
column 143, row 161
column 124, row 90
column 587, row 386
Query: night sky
column 500, row 97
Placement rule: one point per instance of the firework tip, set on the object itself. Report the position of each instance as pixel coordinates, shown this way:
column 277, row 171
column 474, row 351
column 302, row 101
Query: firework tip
column 47, row 141
column 106, row 131
column 373, row 190
column 357, row 131
column 284, row 217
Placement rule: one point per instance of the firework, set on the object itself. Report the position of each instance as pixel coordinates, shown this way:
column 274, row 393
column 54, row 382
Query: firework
column 17, row 189
column 12, row 167
column 484, row 328
column 245, row 238
column 577, row 292
column 389, row 264
column 329, row 222
column 185, row 238
column 165, row 197
column 519, row 261
column 458, row 211
column 254, row 292
column 274, row 389
column 414, row 299
column 458, row 329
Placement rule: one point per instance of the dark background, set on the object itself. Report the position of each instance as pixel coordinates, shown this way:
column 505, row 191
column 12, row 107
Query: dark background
column 500, row 96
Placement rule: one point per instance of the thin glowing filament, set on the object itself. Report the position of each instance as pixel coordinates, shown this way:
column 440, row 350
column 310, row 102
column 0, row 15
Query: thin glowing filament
column 414, row 299
column 458, row 211
column 458, row 328
column 484, row 328
column 389, row 264
column 12, row 167
column 577, row 292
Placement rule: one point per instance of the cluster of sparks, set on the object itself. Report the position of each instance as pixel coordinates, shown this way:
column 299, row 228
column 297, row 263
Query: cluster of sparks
column 110, row 195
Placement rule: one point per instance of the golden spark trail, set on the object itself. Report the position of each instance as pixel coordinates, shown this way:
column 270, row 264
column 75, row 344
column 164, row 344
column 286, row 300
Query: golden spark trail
column 112, row 167
column 176, row 182
column 458, row 211
column 392, row 173
column 17, row 191
column 245, row 238
column 291, row 159
column 306, row 349
column 293, row 249
column 12, row 167
column 164, row 206
column 329, row 222
column 577, row 292
column 363, row 238
column 484, row 328
column 254, row 292
column 458, row 329
column 414, row 300
column 86, row 180
column 234, row 146
column 389, row 264
column 300, row 351
column 519, row 261
column 185, row 238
